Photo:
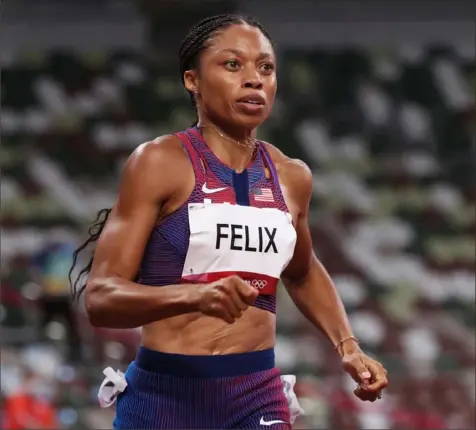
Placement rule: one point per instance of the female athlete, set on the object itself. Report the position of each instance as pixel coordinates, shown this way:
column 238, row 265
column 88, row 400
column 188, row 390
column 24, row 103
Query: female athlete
column 206, row 222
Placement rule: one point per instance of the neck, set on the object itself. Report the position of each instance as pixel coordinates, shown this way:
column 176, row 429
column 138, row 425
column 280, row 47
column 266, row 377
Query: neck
column 238, row 134
column 234, row 148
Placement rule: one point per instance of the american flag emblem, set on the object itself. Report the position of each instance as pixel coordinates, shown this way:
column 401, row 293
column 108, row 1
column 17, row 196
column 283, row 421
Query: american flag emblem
column 263, row 195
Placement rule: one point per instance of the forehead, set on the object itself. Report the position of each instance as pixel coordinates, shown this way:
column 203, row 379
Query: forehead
column 241, row 37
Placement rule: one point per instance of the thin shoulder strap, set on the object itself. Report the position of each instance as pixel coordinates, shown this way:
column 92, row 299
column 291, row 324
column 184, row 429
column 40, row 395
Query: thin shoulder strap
column 269, row 162
column 192, row 152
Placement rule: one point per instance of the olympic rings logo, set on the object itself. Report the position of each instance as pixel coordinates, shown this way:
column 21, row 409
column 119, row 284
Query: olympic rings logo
column 257, row 283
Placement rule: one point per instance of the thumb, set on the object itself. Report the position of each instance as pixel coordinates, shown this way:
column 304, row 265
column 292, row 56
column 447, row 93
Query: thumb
column 356, row 368
column 365, row 377
column 247, row 292
column 363, row 373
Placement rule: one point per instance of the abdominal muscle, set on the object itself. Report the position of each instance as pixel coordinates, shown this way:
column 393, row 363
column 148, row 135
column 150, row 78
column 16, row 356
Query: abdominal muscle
column 197, row 334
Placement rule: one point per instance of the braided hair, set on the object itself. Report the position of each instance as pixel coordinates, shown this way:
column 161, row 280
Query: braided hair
column 199, row 37
column 195, row 42
column 95, row 230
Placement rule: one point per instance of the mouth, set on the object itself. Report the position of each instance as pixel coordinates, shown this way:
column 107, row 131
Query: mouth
column 253, row 99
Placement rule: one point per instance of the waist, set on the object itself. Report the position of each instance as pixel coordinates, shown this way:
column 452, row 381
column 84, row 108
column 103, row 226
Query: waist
column 198, row 334
column 205, row 366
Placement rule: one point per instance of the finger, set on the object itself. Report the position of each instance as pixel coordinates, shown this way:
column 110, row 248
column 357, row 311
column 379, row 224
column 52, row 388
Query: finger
column 357, row 370
column 379, row 379
column 380, row 383
column 230, row 309
column 247, row 293
column 227, row 316
column 236, row 303
column 231, row 286
column 226, row 300
column 220, row 310
column 364, row 395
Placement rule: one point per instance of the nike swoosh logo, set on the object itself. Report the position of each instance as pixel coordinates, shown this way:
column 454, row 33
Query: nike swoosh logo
column 207, row 190
column 262, row 422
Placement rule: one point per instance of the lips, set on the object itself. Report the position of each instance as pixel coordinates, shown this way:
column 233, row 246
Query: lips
column 253, row 99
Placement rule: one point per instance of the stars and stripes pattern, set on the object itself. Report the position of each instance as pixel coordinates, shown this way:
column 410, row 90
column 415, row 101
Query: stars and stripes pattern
column 263, row 195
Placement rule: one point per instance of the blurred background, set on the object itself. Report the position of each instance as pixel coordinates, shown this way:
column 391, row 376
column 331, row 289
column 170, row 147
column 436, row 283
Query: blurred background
column 378, row 99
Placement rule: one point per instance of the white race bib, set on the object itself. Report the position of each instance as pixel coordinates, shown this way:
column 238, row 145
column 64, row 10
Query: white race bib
column 255, row 243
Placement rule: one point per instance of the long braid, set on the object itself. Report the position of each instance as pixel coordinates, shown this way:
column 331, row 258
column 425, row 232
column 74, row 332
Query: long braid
column 79, row 284
column 194, row 43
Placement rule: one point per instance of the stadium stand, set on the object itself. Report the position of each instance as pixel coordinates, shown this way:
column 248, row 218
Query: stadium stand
column 388, row 137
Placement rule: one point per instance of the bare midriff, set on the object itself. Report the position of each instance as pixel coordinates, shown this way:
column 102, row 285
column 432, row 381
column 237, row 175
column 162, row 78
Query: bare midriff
column 196, row 334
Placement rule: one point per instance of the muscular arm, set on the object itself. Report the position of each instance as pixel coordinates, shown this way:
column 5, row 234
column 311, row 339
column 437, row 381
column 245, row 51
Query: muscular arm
column 313, row 292
column 306, row 280
column 112, row 300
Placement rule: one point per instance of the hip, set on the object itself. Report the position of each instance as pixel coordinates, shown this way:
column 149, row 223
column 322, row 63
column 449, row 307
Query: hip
column 223, row 391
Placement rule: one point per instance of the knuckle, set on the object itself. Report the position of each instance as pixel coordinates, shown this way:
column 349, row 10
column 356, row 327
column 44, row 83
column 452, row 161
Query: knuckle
column 220, row 287
column 218, row 296
column 214, row 306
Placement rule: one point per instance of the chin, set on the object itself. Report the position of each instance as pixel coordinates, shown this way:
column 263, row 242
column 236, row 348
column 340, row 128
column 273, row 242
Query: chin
column 251, row 121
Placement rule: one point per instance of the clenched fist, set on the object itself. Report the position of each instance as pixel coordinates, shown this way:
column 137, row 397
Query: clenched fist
column 227, row 298
column 368, row 373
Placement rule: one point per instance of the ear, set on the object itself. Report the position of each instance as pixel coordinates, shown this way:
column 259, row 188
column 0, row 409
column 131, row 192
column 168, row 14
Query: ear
column 191, row 81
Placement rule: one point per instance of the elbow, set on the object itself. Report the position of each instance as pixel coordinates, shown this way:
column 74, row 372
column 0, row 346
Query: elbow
column 94, row 301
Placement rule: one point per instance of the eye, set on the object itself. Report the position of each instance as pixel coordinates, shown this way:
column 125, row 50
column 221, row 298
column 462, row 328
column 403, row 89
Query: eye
column 267, row 67
column 232, row 64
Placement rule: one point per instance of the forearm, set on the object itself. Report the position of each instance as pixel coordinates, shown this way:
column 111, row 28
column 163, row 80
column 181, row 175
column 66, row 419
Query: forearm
column 316, row 297
column 118, row 303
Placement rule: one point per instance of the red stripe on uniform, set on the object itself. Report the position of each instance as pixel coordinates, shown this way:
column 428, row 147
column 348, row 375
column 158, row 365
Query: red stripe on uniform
column 266, row 285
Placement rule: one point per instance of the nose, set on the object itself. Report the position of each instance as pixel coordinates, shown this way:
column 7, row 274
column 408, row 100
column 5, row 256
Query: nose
column 255, row 84
column 253, row 80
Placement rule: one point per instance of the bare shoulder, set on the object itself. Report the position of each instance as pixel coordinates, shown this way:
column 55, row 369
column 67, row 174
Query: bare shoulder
column 151, row 169
column 158, row 153
column 292, row 172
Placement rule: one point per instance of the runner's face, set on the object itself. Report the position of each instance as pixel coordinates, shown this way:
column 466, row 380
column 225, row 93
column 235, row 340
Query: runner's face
column 236, row 80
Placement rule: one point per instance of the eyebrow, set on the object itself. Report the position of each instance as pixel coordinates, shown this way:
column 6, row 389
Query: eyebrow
column 240, row 53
